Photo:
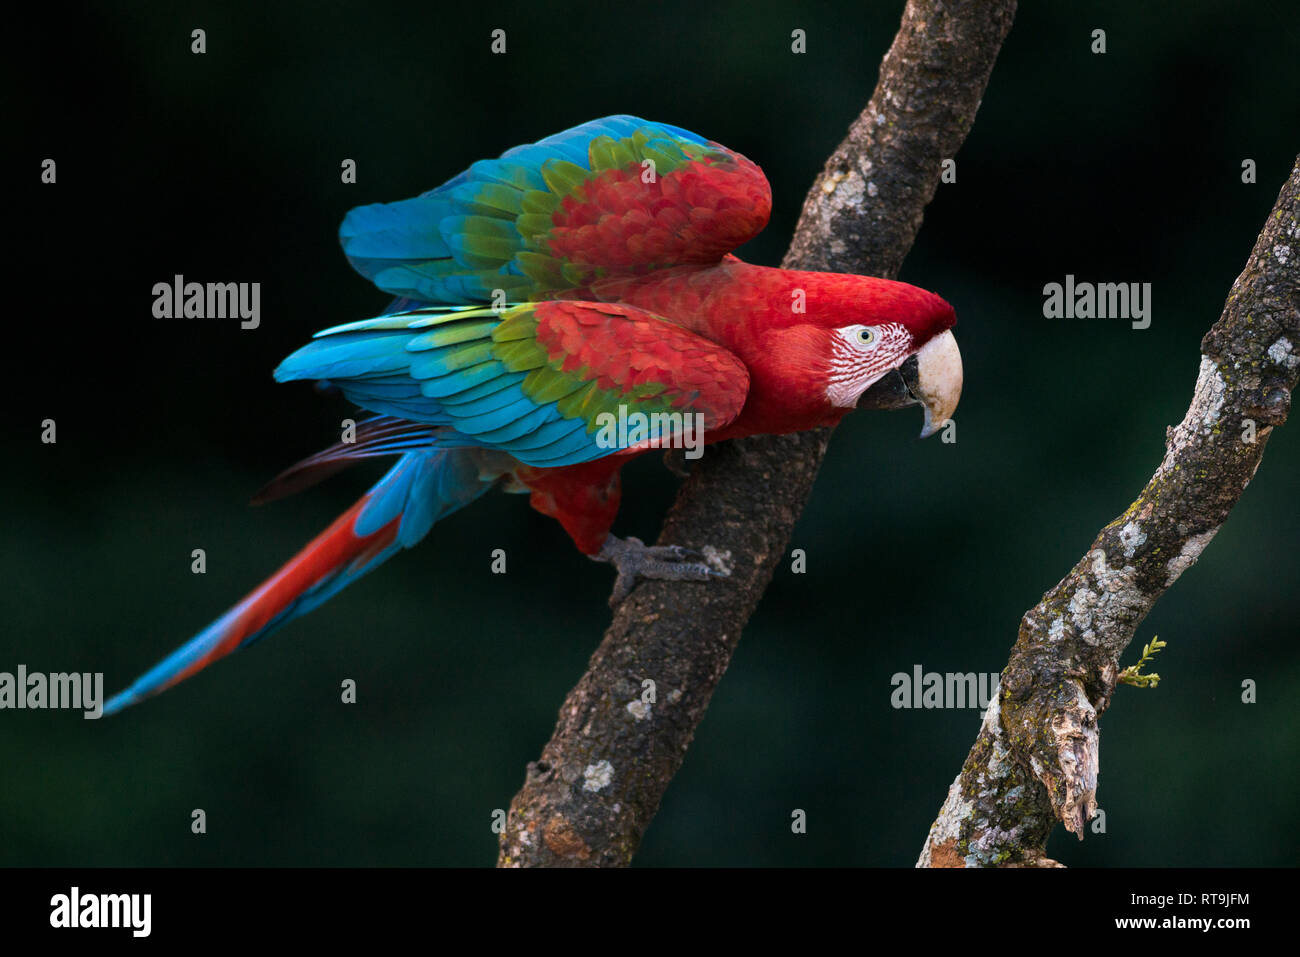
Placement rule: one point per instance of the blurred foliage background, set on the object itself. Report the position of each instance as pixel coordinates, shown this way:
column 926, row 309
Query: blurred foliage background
column 225, row 167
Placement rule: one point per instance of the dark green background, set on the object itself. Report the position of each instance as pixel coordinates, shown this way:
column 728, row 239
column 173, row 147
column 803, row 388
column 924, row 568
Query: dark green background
column 225, row 167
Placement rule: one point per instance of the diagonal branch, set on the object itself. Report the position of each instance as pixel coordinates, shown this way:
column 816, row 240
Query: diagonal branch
column 619, row 741
column 1035, row 759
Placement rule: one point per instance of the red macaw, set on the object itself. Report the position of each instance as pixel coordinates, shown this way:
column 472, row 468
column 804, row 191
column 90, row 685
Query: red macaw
column 547, row 299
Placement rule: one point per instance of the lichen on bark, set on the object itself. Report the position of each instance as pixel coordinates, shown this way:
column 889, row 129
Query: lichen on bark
column 1065, row 663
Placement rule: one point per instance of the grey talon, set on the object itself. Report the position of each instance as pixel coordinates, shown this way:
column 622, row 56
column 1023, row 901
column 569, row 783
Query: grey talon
column 635, row 560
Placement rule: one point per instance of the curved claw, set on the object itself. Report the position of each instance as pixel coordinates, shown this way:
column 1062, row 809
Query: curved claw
column 634, row 560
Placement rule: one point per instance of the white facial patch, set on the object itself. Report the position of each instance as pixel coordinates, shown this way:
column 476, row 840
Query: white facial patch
column 860, row 355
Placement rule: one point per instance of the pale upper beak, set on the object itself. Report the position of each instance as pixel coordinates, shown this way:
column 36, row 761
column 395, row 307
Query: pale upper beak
column 938, row 381
column 931, row 378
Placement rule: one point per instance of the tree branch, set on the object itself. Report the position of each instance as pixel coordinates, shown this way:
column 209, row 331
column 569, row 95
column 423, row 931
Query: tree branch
column 589, row 798
column 1035, row 759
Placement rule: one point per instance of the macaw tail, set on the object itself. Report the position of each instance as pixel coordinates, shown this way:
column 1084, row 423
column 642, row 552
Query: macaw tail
column 399, row 511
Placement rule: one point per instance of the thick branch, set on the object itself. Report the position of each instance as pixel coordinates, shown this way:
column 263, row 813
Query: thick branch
column 1035, row 759
column 599, row 781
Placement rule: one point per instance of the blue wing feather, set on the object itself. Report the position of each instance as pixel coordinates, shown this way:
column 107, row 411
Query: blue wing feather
column 418, row 248
column 441, row 367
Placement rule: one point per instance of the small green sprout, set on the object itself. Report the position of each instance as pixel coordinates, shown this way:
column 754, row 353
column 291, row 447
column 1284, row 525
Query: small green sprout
column 1132, row 675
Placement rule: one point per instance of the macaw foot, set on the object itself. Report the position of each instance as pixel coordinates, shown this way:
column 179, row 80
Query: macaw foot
column 634, row 560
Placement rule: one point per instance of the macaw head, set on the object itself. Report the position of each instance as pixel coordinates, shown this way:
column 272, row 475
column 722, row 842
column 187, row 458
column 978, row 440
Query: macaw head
column 898, row 351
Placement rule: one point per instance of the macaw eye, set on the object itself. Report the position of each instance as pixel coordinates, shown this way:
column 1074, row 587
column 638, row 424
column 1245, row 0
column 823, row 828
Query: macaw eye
column 866, row 336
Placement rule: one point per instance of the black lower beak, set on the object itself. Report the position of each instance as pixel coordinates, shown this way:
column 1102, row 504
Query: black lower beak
column 931, row 379
column 895, row 390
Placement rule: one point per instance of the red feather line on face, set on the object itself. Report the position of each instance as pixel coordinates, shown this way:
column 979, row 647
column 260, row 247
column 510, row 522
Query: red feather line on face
column 853, row 369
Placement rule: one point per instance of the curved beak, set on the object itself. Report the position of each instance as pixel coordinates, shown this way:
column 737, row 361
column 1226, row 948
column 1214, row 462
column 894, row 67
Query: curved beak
column 932, row 379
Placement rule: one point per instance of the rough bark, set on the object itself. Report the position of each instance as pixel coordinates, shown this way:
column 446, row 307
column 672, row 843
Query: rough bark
column 589, row 798
column 1035, row 759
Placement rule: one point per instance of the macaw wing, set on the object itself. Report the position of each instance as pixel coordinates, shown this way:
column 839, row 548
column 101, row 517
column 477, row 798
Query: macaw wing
column 617, row 196
column 551, row 383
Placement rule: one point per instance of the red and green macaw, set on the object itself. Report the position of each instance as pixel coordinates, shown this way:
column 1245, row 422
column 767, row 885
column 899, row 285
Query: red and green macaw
column 540, row 296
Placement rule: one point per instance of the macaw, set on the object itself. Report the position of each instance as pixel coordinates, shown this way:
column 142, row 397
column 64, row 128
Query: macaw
column 541, row 294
